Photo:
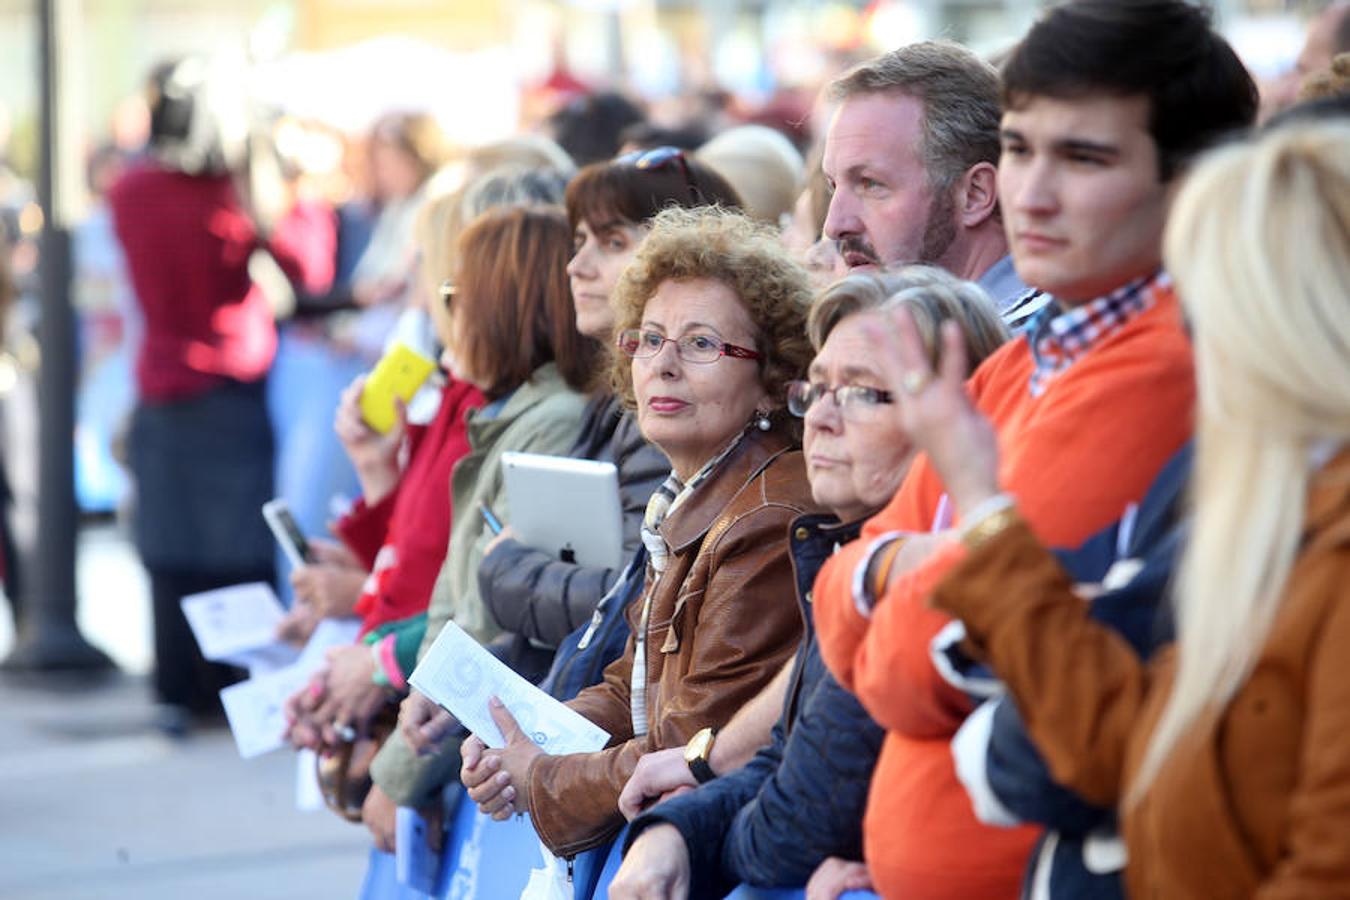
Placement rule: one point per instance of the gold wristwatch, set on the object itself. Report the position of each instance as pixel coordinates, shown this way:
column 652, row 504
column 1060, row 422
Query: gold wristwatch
column 698, row 751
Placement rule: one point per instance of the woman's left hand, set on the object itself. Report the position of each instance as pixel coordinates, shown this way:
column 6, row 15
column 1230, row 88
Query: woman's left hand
column 497, row 797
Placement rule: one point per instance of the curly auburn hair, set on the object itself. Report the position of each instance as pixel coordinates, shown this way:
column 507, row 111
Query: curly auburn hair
column 726, row 246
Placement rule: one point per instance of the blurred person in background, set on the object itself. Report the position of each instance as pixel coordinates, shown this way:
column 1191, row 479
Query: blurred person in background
column 688, row 136
column 200, row 444
column 763, row 166
column 512, row 334
column 588, row 127
column 1328, row 37
column 404, row 151
column 803, row 230
column 524, row 151
column 710, row 320
column 109, row 334
column 791, row 814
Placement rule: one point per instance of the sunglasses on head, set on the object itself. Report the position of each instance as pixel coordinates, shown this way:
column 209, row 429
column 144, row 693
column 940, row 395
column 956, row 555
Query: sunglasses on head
column 658, row 158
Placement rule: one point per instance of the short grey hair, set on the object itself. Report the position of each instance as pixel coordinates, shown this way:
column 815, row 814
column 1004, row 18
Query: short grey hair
column 960, row 96
column 931, row 295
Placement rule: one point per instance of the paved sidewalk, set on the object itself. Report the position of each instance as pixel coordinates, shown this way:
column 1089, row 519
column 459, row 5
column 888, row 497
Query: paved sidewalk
column 95, row 804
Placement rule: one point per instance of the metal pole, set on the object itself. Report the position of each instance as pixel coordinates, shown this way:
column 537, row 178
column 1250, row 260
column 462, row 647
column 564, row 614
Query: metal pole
column 48, row 637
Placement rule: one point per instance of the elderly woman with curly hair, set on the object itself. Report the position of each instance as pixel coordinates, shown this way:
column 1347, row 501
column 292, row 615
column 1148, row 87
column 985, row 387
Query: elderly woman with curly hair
column 711, row 326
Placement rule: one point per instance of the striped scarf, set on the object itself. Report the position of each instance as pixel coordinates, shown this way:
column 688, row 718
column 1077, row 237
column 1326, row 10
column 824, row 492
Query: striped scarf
column 668, row 498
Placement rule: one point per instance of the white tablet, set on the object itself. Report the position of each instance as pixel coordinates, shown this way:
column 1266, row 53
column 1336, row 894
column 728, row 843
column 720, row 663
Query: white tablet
column 569, row 508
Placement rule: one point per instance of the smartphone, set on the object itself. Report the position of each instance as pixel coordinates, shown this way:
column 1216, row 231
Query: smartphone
column 494, row 524
column 399, row 373
column 287, row 532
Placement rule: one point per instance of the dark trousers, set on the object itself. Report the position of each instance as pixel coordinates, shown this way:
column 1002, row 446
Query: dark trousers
column 182, row 676
column 203, row 469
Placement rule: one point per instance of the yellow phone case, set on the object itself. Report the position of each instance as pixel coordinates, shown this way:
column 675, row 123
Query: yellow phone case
column 399, row 373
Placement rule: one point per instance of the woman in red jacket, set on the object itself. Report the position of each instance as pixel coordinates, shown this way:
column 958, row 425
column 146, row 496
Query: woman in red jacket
column 399, row 530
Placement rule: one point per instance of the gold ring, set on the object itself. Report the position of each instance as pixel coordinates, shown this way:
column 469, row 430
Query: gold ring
column 913, row 383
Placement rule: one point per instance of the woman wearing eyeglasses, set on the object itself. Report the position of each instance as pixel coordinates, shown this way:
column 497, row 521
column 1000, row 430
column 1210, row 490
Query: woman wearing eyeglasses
column 795, row 807
column 536, row 598
column 710, row 320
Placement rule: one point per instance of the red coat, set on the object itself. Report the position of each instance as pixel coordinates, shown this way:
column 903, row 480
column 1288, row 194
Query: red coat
column 403, row 538
column 187, row 242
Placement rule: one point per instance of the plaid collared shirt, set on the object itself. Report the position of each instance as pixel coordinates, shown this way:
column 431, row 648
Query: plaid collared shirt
column 1059, row 338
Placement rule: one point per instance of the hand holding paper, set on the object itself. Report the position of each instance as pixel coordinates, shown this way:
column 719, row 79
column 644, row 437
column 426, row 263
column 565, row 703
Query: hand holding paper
column 256, row 708
column 460, row 675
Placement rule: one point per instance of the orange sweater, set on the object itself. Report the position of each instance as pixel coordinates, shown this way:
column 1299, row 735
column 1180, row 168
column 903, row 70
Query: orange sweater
column 1073, row 458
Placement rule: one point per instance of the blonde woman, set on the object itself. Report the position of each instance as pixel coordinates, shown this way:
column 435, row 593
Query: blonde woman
column 1229, row 753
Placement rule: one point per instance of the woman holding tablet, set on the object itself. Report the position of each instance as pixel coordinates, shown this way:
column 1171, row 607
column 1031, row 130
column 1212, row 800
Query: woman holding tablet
column 710, row 322
column 533, row 595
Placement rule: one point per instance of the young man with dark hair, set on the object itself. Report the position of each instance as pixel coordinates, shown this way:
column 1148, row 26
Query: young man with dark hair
column 1104, row 103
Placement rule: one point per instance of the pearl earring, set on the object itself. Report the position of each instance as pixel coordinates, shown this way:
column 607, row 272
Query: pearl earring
column 762, row 421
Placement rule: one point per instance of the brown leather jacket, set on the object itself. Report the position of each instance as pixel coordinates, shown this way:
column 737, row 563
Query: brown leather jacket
column 723, row 621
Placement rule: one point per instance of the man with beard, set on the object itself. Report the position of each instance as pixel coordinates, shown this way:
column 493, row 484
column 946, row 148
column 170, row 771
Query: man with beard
column 911, row 157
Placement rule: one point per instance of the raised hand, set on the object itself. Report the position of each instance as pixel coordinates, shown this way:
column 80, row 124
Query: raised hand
column 934, row 408
column 373, row 455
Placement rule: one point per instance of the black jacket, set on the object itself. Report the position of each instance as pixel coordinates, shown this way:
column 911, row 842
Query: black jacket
column 801, row 798
column 540, row 600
